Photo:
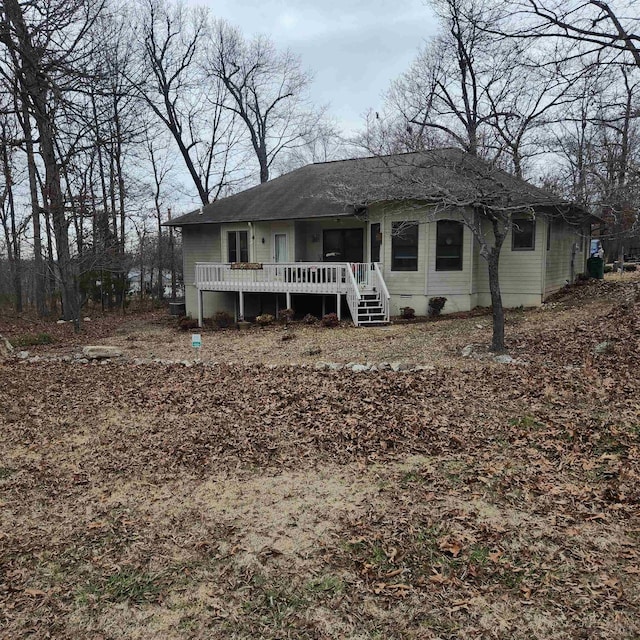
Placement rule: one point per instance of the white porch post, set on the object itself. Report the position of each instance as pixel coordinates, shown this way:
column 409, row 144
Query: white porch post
column 199, row 307
column 241, row 305
column 288, row 299
column 338, row 306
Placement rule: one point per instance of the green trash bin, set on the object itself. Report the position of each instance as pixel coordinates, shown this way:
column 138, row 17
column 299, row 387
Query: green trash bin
column 595, row 267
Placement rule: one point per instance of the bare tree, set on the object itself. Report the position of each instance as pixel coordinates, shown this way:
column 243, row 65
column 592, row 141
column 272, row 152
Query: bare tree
column 47, row 46
column 488, row 95
column 12, row 226
column 595, row 26
column 191, row 107
column 269, row 93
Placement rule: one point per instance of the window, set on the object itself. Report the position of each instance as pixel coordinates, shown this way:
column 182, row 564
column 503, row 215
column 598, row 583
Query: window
column 449, row 237
column 523, row 234
column 404, row 246
column 238, row 246
column 376, row 241
column 548, row 235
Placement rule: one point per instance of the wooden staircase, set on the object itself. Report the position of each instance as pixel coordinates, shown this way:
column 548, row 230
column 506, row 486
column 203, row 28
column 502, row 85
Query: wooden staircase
column 370, row 309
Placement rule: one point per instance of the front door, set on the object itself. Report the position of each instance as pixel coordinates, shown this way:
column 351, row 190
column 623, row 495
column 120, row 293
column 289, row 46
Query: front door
column 280, row 249
column 343, row 245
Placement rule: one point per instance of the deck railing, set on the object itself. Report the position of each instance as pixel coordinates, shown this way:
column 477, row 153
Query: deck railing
column 378, row 283
column 353, row 290
column 293, row 277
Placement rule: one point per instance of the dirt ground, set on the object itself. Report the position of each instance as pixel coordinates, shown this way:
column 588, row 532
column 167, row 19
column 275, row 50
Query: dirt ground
column 232, row 500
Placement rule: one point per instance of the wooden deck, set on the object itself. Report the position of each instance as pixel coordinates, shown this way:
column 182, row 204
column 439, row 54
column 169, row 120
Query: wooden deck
column 353, row 280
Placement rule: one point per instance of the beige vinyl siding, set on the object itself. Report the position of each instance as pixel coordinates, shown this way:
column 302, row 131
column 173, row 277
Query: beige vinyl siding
column 520, row 271
column 558, row 260
column 402, row 282
column 200, row 243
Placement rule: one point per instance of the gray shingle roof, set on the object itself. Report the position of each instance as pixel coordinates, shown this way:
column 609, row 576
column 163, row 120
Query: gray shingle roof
column 332, row 189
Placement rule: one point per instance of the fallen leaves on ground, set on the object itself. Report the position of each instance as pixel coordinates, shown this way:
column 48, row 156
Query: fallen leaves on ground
column 475, row 501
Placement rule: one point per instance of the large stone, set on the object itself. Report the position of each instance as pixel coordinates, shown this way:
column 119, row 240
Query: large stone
column 504, row 359
column 360, row 368
column 603, row 347
column 6, row 348
column 468, row 351
column 96, row 352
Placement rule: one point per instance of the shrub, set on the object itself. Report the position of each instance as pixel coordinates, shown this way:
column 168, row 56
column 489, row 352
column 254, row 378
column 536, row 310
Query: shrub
column 264, row 319
column 608, row 268
column 222, row 319
column 286, row 315
column 31, row 340
column 436, row 305
column 407, row 313
column 309, row 319
column 186, row 323
column 630, row 267
column 330, row 320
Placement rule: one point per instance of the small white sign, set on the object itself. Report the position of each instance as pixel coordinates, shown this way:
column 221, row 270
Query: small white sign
column 196, row 340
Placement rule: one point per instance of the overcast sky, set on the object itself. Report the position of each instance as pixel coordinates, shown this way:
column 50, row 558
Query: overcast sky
column 354, row 48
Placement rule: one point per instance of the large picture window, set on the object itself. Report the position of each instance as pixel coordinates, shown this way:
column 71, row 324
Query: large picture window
column 523, row 234
column 449, row 239
column 238, row 246
column 404, row 246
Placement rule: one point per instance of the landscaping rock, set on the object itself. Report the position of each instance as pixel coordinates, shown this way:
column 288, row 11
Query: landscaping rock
column 603, row 347
column 321, row 365
column 468, row 351
column 504, row 359
column 6, row 348
column 23, row 355
column 96, row 352
column 312, row 350
column 61, row 322
column 400, row 366
column 360, row 368
column 384, row 366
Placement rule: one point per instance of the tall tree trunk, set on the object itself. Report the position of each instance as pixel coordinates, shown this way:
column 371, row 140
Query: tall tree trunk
column 39, row 275
column 12, row 239
column 497, row 310
column 35, row 87
column 492, row 256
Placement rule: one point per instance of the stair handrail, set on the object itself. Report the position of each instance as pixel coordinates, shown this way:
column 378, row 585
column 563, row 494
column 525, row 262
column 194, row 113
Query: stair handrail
column 385, row 297
column 353, row 293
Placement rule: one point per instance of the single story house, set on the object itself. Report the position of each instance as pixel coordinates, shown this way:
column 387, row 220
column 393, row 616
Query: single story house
column 374, row 235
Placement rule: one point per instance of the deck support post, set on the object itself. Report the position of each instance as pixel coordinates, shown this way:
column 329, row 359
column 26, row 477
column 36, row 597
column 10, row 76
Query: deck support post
column 324, row 305
column 199, row 307
column 288, row 300
column 241, row 310
column 338, row 305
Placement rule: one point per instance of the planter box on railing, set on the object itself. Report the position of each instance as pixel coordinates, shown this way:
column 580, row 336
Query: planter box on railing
column 247, row 266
